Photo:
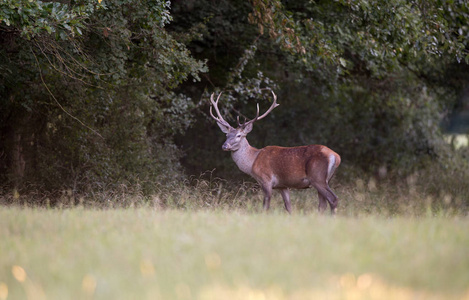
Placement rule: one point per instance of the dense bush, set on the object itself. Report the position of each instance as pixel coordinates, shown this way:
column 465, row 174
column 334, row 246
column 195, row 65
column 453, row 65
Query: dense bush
column 87, row 93
column 370, row 79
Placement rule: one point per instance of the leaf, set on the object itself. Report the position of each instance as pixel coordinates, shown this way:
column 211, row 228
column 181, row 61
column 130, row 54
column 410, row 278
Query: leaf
column 343, row 62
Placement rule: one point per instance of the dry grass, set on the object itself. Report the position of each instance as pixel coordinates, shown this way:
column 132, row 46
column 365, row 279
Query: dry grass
column 434, row 190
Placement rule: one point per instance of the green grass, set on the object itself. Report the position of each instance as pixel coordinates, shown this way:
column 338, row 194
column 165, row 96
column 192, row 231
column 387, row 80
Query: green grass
column 154, row 253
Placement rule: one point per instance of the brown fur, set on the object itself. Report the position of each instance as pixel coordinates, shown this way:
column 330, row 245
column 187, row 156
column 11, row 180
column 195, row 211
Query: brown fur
column 298, row 168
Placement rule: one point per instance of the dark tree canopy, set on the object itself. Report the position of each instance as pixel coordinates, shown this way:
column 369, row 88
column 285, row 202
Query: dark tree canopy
column 94, row 94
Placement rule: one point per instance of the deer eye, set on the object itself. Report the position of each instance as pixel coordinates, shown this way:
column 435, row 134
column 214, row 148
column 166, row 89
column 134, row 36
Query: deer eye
column 238, row 135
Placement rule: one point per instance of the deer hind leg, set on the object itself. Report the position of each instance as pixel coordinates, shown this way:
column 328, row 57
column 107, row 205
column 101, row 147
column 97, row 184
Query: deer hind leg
column 322, row 203
column 326, row 193
column 333, row 163
column 320, row 172
column 286, row 199
column 333, row 204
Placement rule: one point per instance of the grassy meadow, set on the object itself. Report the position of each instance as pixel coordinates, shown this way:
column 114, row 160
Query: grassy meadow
column 207, row 242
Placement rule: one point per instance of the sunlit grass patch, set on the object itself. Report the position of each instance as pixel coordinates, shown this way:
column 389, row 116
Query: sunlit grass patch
column 149, row 252
column 341, row 287
column 344, row 287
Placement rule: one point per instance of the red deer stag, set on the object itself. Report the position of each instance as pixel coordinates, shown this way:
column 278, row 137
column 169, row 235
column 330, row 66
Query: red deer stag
column 281, row 168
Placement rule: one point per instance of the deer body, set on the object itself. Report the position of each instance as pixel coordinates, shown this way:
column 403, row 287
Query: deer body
column 294, row 167
column 282, row 168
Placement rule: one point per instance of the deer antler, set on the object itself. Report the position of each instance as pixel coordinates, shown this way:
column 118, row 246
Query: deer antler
column 274, row 105
column 257, row 118
column 220, row 119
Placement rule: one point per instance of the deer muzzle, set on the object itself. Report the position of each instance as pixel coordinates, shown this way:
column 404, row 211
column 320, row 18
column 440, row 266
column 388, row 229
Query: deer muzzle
column 226, row 146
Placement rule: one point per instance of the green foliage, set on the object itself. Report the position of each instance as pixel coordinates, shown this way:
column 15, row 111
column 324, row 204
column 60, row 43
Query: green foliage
column 87, row 93
column 370, row 79
column 96, row 94
column 34, row 18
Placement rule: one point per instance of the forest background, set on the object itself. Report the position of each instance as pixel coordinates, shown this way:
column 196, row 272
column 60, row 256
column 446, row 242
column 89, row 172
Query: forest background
column 114, row 95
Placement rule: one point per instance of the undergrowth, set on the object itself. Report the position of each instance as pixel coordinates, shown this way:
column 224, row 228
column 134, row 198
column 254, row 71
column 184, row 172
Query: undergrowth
column 421, row 193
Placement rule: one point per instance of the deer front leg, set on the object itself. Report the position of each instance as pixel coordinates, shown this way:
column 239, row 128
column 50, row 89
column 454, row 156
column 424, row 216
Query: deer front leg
column 267, row 195
column 286, row 199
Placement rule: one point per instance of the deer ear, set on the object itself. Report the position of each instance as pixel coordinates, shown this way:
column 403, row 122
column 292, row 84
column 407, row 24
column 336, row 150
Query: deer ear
column 223, row 128
column 248, row 128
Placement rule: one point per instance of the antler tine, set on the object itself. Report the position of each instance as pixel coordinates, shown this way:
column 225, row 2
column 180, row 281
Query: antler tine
column 215, row 105
column 245, row 119
column 257, row 114
column 257, row 118
column 219, row 95
column 239, row 123
column 274, row 105
column 216, row 119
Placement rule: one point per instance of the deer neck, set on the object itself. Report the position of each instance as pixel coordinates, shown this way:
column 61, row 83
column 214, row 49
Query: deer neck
column 245, row 156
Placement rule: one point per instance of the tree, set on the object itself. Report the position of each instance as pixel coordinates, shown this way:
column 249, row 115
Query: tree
column 95, row 94
column 371, row 79
column 88, row 95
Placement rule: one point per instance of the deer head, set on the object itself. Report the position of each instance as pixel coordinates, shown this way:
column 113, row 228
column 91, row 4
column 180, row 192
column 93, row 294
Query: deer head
column 236, row 136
